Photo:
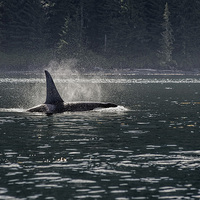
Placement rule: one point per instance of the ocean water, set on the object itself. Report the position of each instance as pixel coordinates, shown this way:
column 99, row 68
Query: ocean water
column 146, row 148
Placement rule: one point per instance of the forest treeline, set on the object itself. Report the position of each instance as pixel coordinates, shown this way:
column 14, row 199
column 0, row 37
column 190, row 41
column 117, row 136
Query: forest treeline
column 100, row 33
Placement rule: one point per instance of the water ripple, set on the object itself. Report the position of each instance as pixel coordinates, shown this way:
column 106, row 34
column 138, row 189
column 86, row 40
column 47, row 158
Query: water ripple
column 149, row 152
column 3, row 190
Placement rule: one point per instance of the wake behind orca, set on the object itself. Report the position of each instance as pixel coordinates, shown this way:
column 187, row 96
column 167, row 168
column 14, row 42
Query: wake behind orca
column 55, row 104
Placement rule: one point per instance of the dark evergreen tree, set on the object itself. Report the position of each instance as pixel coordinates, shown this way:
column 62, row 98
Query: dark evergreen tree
column 70, row 40
column 22, row 24
column 186, row 18
column 152, row 14
column 1, row 21
column 95, row 24
column 56, row 13
column 167, row 41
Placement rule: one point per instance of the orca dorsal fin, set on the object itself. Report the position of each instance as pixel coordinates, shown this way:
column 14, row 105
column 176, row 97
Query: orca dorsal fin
column 53, row 97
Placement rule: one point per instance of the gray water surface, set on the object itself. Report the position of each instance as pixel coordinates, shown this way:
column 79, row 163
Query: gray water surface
column 147, row 148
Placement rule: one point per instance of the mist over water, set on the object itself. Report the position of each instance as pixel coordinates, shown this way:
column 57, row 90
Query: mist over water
column 29, row 88
column 70, row 83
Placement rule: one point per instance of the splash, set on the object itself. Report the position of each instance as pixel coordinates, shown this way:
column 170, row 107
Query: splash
column 118, row 109
column 71, row 85
column 12, row 110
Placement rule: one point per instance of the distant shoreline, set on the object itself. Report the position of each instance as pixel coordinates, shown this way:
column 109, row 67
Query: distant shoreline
column 118, row 72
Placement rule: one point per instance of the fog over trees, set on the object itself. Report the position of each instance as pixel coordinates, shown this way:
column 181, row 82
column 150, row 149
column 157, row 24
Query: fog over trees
column 100, row 33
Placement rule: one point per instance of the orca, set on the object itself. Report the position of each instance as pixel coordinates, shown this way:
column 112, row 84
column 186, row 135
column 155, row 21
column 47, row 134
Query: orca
column 55, row 104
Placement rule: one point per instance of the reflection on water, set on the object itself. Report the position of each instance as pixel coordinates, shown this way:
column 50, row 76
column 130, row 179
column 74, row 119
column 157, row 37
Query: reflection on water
column 150, row 150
